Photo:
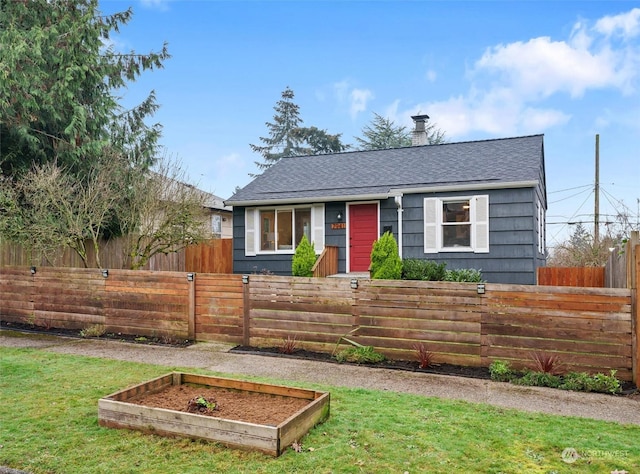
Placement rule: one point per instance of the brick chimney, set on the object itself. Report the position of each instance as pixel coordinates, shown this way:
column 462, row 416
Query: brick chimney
column 419, row 136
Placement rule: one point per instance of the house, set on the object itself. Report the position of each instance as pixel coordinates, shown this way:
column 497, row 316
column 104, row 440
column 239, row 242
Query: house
column 220, row 215
column 477, row 204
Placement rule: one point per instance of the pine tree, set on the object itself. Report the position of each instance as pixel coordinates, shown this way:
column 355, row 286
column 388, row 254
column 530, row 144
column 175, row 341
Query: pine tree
column 283, row 141
column 288, row 138
column 382, row 133
column 59, row 88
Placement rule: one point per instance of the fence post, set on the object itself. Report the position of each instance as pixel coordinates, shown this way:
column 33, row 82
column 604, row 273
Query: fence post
column 635, row 319
column 191, row 278
column 246, row 330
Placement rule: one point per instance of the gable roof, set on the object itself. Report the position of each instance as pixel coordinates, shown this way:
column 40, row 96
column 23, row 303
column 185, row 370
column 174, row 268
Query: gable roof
column 209, row 200
column 381, row 173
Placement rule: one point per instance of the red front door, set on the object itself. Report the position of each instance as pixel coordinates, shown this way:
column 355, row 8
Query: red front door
column 363, row 231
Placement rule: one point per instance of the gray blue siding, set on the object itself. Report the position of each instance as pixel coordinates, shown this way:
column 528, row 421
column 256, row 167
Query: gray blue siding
column 513, row 239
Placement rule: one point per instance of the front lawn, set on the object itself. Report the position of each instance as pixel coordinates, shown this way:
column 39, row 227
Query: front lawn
column 49, row 424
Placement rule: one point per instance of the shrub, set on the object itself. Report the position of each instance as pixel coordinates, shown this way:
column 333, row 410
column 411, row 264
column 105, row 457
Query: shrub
column 428, row 270
column 583, row 382
column 468, row 275
column 546, row 363
column 360, row 355
column 95, row 330
column 576, row 381
column 538, row 379
column 289, row 345
column 501, row 371
column 425, row 357
column 385, row 260
column 606, row 383
column 303, row 259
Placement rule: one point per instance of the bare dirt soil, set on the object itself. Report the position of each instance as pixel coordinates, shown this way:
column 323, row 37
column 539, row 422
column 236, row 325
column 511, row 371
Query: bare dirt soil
column 237, row 405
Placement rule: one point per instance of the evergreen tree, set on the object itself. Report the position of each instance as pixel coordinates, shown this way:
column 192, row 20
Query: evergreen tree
column 58, row 88
column 385, row 260
column 288, row 138
column 282, row 140
column 304, row 259
column 382, row 133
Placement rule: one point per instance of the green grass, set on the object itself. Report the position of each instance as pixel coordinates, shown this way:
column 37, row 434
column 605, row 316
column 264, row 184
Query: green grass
column 49, row 424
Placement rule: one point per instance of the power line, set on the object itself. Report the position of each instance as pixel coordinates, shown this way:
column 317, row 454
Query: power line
column 569, row 197
column 571, row 189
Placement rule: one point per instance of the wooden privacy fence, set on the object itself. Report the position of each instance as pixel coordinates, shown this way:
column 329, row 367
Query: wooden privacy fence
column 137, row 302
column 212, row 256
column 618, row 272
column 590, row 329
column 572, row 276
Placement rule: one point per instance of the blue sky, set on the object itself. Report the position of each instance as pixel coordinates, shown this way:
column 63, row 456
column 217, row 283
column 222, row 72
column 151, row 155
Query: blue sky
column 480, row 70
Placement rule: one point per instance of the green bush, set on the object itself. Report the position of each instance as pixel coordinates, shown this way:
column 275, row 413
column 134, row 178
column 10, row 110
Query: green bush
column 303, row 259
column 428, row 270
column 539, row 379
column 385, row 260
column 577, row 381
column 606, row 383
column 583, row 382
column 469, row 275
column 360, row 355
column 501, row 371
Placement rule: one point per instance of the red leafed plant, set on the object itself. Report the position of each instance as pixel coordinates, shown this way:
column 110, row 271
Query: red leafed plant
column 546, row 363
column 289, row 345
column 425, row 357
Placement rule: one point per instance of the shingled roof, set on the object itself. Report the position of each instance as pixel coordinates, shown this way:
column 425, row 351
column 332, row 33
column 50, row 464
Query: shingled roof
column 380, row 173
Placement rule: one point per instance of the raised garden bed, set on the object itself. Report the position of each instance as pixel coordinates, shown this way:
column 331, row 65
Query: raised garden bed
column 160, row 406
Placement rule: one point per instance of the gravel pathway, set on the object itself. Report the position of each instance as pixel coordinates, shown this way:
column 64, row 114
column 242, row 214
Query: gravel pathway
column 216, row 358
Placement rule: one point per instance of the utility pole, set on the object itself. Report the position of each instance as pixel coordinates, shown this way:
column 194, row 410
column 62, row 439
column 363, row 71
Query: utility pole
column 596, row 211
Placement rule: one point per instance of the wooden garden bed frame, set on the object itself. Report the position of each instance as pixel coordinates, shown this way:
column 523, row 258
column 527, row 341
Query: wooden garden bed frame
column 115, row 412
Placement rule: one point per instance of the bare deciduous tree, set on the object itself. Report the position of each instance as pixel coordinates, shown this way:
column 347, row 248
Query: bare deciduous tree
column 54, row 209
column 161, row 214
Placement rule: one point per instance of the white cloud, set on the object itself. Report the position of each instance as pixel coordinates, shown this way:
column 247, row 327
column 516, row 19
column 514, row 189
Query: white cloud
column 341, row 90
column 431, row 75
column 626, row 24
column 541, row 67
column 355, row 99
column 359, row 99
column 162, row 5
column 510, row 85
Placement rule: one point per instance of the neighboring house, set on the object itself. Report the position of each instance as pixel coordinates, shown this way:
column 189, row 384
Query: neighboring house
column 221, row 216
column 477, row 204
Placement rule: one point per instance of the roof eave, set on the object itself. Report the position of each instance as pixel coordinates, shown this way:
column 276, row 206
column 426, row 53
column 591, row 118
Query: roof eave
column 390, row 193
column 308, row 200
column 464, row 187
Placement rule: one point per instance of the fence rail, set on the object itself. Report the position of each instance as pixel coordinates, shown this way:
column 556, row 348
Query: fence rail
column 590, row 329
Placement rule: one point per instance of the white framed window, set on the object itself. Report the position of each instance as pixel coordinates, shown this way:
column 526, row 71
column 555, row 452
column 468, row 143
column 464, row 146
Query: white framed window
column 216, row 225
column 280, row 229
column 459, row 224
